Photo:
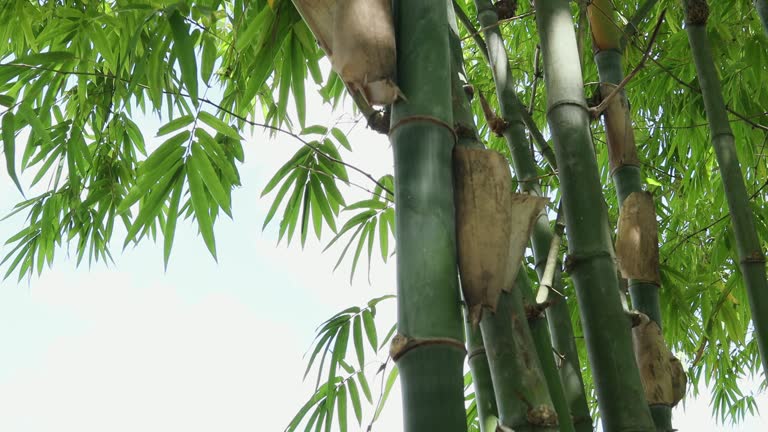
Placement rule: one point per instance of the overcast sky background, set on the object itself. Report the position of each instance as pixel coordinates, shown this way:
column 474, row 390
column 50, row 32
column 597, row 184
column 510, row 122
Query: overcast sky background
column 203, row 346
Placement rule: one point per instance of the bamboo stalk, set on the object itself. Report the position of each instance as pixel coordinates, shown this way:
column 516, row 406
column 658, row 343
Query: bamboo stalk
column 762, row 10
column 478, row 359
column 537, row 321
column 429, row 348
column 485, row 396
column 522, row 394
column 750, row 253
column 624, row 162
column 466, row 133
column 590, row 261
column 558, row 315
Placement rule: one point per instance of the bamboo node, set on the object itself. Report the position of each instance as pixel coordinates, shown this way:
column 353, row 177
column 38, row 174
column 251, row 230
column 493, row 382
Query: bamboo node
column 535, row 312
column 401, row 344
column 542, row 415
column 696, row 12
column 421, row 118
column 756, row 257
column 475, row 352
column 573, row 260
column 562, row 102
column 505, row 9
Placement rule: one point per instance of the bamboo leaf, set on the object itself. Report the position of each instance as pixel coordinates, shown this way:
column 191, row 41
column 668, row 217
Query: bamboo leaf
column 317, row 397
column 357, row 332
column 219, row 125
column 305, row 210
column 341, row 138
column 279, row 198
column 298, row 69
column 285, row 169
column 341, row 401
column 358, row 219
column 28, row 115
column 324, row 341
column 383, row 236
column 199, row 162
column 360, row 243
column 388, row 336
column 388, row 387
column 175, row 124
column 208, row 59
column 339, row 351
column 170, row 220
column 184, row 49
column 322, row 202
column 370, row 204
column 201, row 208
column 370, row 329
column 364, row 385
column 354, row 397
column 9, row 147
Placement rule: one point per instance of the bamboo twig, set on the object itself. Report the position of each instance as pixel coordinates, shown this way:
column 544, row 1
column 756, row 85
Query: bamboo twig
column 548, row 277
column 596, row 111
column 499, row 23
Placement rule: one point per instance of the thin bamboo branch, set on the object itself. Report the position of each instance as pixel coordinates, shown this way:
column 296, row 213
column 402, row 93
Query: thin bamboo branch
column 632, row 27
column 596, row 111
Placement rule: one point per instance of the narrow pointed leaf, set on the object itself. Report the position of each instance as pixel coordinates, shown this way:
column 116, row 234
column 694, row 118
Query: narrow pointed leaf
column 9, row 147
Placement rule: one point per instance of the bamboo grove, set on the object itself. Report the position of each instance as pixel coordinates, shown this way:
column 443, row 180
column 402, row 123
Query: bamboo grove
column 636, row 131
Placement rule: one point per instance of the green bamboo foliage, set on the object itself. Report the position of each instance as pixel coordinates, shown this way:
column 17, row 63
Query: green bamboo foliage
column 429, row 347
column 624, row 162
column 590, row 262
column 558, row 315
column 750, row 253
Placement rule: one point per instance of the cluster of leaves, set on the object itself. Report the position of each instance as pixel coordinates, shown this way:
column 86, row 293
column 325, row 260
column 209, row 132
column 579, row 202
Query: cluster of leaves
column 311, row 176
column 343, row 382
column 73, row 74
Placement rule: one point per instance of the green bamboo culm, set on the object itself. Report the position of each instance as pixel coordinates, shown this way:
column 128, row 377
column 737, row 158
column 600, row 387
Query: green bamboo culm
column 485, row 399
column 558, row 315
column 429, row 348
column 761, row 6
column 751, row 257
column 542, row 340
column 624, row 162
column 480, row 366
column 590, row 261
column 466, row 132
column 522, row 395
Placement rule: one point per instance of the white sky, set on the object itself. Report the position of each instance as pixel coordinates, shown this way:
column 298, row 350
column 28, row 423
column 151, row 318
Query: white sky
column 205, row 346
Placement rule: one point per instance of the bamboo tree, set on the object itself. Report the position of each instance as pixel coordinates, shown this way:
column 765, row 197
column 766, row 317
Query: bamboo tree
column 750, row 253
column 558, row 315
column 429, row 347
column 522, row 395
column 485, row 399
column 590, row 261
column 542, row 340
column 624, row 162
column 466, row 133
